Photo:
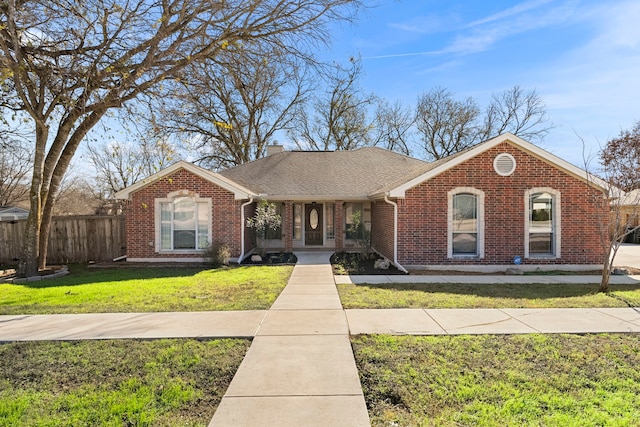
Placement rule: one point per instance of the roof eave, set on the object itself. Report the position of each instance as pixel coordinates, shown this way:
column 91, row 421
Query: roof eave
column 543, row 155
column 239, row 192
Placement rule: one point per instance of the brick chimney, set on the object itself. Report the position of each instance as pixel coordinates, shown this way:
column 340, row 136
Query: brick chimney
column 274, row 149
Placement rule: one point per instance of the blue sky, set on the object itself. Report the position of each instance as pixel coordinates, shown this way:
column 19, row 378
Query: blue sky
column 581, row 56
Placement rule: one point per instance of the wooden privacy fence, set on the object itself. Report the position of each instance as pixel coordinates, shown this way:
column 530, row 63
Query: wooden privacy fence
column 71, row 239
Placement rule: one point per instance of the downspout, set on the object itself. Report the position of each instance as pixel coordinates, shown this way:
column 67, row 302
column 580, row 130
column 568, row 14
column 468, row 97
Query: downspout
column 242, row 228
column 395, row 234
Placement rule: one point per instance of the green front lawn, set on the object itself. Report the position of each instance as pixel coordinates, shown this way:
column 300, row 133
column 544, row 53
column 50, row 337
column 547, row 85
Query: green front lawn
column 116, row 383
column 147, row 289
column 449, row 295
column 535, row 380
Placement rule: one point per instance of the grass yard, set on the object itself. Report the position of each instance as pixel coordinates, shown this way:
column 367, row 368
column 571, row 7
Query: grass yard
column 145, row 289
column 447, row 295
column 536, row 380
column 116, row 383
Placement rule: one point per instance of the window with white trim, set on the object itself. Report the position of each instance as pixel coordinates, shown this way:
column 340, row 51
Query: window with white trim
column 183, row 222
column 542, row 223
column 466, row 223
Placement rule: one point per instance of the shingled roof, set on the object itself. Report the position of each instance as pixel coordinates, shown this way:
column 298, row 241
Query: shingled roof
column 325, row 175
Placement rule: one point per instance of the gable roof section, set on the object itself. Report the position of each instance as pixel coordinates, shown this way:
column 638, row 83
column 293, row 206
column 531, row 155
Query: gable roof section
column 238, row 191
column 443, row 165
column 324, row 175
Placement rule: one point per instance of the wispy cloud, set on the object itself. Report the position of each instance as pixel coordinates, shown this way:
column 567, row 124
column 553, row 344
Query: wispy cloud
column 525, row 17
column 510, row 12
column 482, row 34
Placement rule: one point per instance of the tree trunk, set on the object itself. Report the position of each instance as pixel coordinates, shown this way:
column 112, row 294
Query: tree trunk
column 56, row 173
column 28, row 265
column 606, row 273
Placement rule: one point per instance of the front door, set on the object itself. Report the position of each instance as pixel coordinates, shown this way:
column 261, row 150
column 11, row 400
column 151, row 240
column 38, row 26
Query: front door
column 313, row 225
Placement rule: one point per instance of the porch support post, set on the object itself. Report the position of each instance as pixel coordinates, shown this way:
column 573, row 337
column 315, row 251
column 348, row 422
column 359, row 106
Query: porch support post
column 339, row 225
column 287, row 226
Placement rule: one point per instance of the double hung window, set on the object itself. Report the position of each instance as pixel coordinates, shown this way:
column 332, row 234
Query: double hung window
column 542, row 223
column 466, row 223
column 184, row 223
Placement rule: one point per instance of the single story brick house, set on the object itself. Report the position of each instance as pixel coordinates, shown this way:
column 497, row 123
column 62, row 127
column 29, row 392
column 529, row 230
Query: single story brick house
column 499, row 201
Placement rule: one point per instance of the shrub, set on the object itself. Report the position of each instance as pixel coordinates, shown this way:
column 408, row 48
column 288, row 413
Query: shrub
column 218, row 254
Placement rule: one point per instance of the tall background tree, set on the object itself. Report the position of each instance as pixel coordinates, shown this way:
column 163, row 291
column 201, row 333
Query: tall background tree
column 15, row 166
column 339, row 117
column 393, row 127
column 118, row 165
column 230, row 107
column 66, row 64
column 447, row 125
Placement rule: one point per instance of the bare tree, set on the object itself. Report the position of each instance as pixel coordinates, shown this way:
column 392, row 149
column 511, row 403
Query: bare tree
column 619, row 210
column 393, row 127
column 340, row 120
column 229, row 121
column 446, row 125
column 621, row 157
column 520, row 112
column 119, row 165
column 15, row 164
column 69, row 63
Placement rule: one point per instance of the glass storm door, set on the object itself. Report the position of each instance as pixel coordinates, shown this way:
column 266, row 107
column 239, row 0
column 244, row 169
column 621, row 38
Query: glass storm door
column 313, row 225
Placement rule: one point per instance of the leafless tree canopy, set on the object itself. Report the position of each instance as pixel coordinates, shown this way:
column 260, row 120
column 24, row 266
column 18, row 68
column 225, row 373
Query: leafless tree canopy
column 339, row 120
column 15, row 165
column 120, row 165
column 70, row 62
column 520, row 112
column 393, row 128
column 621, row 158
column 447, row 125
column 229, row 109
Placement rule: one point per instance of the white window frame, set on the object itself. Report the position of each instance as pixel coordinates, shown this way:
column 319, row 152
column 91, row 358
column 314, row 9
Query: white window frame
column 481, row 226
column 556, row 222
column 205, row 203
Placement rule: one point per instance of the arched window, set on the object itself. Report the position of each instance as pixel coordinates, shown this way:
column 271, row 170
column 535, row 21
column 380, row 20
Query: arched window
column 542, row 223
column 466, row 223
column 183, row 223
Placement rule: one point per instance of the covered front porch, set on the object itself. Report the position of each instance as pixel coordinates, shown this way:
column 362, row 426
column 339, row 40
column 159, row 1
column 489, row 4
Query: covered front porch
column 313, row 224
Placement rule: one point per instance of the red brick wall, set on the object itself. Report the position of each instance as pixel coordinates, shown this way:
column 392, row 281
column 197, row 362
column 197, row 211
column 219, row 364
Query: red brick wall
column 382, row 228
column 338, row 222
column 225, row 214
column 422, row 228
column 287, row 225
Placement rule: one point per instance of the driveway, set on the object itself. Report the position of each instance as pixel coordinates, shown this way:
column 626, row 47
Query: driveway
column 628, row 256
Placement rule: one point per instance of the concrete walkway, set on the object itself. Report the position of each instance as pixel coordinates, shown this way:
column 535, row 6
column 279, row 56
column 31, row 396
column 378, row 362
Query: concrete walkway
column 300, row 369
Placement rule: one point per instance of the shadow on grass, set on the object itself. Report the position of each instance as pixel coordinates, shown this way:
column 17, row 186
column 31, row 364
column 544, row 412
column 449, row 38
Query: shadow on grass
column 82, row 274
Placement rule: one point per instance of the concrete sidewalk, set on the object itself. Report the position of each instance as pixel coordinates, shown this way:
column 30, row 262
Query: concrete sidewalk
column 300, row 369
column 486, row 279
column 493, row 321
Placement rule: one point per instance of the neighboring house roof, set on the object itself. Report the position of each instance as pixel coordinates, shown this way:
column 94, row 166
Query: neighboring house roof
column 238, row 191
column 9, row 213
column 324, row 175
column 631, row 198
